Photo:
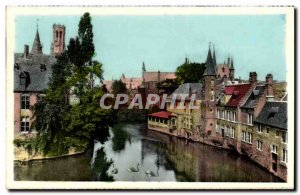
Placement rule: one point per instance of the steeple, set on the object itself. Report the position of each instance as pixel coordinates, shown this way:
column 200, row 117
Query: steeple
column 231, row 64
column 37, row 46
column 214, row 57
column 228, row 60
column 143, row 67
column 210, row 67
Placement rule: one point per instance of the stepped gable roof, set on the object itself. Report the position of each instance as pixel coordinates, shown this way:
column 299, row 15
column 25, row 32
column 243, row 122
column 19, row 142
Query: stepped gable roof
column 161, row 114
column 32, row 67
column 253, row 98
column 273, row 114
column 238, row 93
column 153, row 76
column 188, row 88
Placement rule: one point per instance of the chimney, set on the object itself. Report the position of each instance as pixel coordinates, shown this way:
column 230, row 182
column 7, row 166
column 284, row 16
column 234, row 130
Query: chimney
column 158, row 76
column 253, row 78
column 269, row 87
column 26, row 51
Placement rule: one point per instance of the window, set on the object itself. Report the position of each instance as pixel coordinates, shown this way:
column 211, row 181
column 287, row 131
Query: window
column 233, row 117
column 227, row 131
column 250, row 118
column 247, row 137
column 277, row 133
column 259, row 128
column 284, row 155
column 24, row 124
column 267, row 129
column 259, row 144
column 232, row 132
column 283, row 135
column 274, row 149
column 25, row 101
column 243, row 136
column 217, row 128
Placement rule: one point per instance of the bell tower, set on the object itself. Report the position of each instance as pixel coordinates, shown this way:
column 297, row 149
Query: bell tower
column 208, row 105
column 58, row 43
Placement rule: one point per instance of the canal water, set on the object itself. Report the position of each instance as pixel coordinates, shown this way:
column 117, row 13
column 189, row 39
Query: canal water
column 134, row 153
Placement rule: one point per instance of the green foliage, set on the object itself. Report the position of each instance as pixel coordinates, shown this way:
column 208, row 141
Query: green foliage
column 190, row 73
column 118, row 87
column 62, row 126
column 28, row 144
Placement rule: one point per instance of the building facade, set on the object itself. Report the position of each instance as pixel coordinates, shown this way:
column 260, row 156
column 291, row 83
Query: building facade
column 32, row 71
column 239, row 116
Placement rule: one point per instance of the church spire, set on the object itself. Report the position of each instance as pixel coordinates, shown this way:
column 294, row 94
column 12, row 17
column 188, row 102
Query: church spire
column 210, row 68
column 144, row 67
column 37, row 47
column 231, row 64
column 214, row 58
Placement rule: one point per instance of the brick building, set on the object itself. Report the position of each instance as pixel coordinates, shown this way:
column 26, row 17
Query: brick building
column 241, row 116
column 32, row 71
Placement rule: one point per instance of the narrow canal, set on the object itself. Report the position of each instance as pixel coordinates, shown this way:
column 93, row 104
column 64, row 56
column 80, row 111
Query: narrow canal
column 135, row 154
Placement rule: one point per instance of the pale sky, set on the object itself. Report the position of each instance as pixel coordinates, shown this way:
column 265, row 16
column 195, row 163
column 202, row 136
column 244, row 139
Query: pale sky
column 257, row 43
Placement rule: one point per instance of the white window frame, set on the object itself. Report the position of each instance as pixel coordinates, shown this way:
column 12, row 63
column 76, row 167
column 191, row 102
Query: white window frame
column 26, row 99
column 284, row 157
column 259, row 128
column 25, row 123
column 250, row 118
column 259, row 145
column 274, row 149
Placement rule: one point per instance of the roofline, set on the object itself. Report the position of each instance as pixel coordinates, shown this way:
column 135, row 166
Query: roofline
column 270, row 125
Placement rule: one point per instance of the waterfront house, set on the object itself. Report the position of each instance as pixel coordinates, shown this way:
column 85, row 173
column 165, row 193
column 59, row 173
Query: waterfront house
column 32, row 71
column 178, row 119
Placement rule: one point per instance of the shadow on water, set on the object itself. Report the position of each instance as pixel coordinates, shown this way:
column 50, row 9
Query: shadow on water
column 100, row 167
column 120, row 136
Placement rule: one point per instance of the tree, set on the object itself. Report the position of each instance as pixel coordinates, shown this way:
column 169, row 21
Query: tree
column 62, row 126
column 190, row 72
column 118, row 87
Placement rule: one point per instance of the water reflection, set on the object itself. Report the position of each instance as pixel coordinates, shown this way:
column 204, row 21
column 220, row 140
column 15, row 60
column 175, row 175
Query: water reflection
column 120, row 136
column 100, row 167
column 159, row 158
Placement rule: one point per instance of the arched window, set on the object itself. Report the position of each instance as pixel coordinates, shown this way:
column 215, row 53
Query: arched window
column 56, row 34
column 60, row 34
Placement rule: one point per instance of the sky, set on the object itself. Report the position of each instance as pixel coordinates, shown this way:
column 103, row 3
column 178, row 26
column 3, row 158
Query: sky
column 123, row 43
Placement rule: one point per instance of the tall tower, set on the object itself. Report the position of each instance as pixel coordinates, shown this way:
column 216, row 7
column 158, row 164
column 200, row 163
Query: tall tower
column 208, row 108
column 231, row 70
column 58, row 44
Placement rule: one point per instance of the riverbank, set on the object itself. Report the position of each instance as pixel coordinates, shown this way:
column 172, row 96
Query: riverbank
column 22, row 155
column 212, row 143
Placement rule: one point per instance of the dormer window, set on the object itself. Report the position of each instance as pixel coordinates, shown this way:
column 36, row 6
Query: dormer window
column 43, row 67
column 24, row 78
column 273, row 111
column 16, row 66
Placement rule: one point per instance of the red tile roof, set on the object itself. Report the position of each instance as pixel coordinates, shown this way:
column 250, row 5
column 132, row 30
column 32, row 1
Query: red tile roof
column 238, row 93
column 229, row 90
column 161, row 114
